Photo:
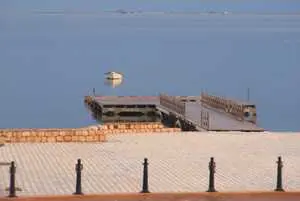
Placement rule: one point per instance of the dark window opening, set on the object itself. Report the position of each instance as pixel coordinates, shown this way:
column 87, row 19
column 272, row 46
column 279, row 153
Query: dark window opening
column 152, row 113
column 128, row 114
column 246, row 114
column 109, row 113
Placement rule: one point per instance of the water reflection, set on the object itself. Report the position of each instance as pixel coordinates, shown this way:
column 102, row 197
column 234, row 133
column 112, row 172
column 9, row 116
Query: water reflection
column 113, row 83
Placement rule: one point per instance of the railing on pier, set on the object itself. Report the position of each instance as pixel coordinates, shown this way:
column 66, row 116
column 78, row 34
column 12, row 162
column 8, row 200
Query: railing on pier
column 227, row 105
column 204, row 120
column 172, row 103
column 88, row 100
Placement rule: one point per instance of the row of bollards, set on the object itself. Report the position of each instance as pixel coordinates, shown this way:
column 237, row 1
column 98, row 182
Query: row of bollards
column 145, row 186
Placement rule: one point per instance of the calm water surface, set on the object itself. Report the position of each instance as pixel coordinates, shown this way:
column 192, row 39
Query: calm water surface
column 50, row 60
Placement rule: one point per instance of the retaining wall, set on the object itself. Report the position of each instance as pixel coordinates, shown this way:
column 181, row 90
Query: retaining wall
column 89, row 134
column 134, row 127
column 52, row 135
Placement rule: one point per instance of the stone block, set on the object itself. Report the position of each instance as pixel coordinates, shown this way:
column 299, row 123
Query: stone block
column 9, row 134
column 91, row 138
column 22, row 139
column 60, row 133
column 78, row 132
column 59, row 138
column 26, row 134
column 51, row 139
column 102, row 138
column 74, row 138
column 12, row 140
column 82, row 138
column 38, row 139
column 48, row 134
column 31, row 138
column 17, row 139
column 44, row 139
column 67, row 138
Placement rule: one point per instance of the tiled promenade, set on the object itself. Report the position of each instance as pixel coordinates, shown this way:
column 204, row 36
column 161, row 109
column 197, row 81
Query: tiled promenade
column 178, row 163
column 244, row 196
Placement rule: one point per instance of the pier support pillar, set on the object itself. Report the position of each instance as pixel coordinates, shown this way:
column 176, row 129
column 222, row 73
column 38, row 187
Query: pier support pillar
column 178, row 124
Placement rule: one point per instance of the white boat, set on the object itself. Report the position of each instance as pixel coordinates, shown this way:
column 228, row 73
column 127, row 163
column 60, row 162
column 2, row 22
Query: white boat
column 113, row 75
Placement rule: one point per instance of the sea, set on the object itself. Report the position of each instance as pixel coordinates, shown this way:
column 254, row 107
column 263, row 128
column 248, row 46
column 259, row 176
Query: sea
column 53, row 53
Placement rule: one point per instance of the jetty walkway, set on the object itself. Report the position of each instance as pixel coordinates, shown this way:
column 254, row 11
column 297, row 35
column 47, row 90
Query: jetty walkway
column 191, row 113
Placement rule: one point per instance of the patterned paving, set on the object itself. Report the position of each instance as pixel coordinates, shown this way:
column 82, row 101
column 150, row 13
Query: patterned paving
column 178, row 163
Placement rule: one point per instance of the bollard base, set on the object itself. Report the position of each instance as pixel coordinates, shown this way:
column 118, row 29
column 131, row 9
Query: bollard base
column 12, row 196
column 279, row 190
column 79, row 193
column 211, row 190
column 145, row 191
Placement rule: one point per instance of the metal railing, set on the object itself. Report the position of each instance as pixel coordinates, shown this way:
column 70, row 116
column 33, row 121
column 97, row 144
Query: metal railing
column 204, row 120
column 79, row 167
column 172, row 103
column 227, row 105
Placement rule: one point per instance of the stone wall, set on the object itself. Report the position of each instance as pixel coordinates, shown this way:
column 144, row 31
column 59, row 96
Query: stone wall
column 138, row 127
column 97, row 133
column 52, row 135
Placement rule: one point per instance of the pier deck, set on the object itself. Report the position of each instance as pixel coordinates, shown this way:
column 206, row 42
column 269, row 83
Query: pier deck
column 127, row 100
column 219, row 121
column 192, row 111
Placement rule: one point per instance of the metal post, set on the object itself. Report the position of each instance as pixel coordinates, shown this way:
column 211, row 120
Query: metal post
column 279, row 175
column 145, row 177
column 208, row 122
column 78, row 169
column 12, row 185
column 212, row 170
column 248, row 94
column 201, row 119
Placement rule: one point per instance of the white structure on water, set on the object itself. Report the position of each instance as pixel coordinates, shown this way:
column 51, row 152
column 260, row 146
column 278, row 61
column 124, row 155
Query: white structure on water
column 113, row 75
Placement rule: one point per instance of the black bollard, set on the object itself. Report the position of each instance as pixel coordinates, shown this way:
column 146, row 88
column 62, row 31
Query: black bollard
column 279, row 175
column 212, row 170
column 145, row 177
column 78, row 168
column 12, row 184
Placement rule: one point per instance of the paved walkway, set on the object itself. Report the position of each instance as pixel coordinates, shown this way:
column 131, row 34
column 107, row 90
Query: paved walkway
column 257, row 196
column 178, row 163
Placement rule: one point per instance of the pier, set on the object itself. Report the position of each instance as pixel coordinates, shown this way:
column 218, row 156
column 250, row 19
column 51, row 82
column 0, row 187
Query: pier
column 189, row 113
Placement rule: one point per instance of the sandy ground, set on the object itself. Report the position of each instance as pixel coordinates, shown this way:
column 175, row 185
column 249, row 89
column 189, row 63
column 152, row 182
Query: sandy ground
column 177, row 163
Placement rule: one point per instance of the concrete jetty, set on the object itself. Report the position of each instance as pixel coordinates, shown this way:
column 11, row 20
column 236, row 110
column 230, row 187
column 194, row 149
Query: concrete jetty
column 189, row 113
